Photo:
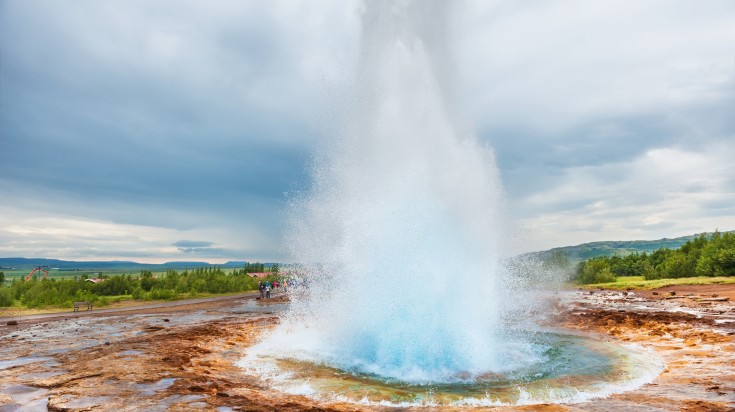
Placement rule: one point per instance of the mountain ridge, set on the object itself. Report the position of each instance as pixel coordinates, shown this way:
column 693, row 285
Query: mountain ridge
column 589, row 250
column 29, row 263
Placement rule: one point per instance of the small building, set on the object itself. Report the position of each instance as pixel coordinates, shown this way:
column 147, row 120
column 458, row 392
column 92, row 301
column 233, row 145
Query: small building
column 260, row 274
column 94, row 280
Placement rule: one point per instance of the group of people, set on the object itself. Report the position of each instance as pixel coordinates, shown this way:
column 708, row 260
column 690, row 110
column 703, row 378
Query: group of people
column 266, row 287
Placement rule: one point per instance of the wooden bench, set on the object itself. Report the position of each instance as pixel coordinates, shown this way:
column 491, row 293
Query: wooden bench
column 77, row 305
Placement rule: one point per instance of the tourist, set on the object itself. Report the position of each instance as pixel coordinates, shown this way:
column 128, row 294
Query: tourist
column 267, row 290
column 261, row 288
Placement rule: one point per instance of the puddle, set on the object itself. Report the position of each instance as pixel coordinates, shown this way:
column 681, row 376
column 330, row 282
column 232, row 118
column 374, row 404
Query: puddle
column 252, row 305
column 182, row 319
column 25, row 398
column 39, row 375
column 150, row 389
column 85, row 403
column 166, row 403
column 25, row 360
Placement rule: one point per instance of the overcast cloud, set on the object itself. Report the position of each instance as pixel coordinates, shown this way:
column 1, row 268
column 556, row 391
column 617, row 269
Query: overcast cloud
column 174, row 130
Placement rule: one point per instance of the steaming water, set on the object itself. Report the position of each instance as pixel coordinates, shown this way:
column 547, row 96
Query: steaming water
column 571, row 369
column 403, row 221
column 401, row 231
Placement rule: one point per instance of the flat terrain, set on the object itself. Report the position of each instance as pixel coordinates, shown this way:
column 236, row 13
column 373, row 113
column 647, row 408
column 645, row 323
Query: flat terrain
column 181, row 356
column 692, row 292
column 29, row 316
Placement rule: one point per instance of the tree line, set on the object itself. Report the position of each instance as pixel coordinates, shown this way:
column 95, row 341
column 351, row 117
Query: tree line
column 705, row 255
column 146, row 286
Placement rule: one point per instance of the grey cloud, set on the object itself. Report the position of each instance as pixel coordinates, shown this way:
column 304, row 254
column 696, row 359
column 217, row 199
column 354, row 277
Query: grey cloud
column 531, row 161
column 187, row 114
column 192, row 244
column 722, row 205
column 107, row 123
column 201, row 248
column 203, row 251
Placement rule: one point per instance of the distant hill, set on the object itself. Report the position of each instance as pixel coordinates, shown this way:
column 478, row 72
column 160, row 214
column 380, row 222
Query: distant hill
column 30, row 263
column 612, row 248
column 574, row 254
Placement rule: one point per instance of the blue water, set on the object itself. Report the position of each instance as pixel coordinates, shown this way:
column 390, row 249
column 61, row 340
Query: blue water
column 566, row 369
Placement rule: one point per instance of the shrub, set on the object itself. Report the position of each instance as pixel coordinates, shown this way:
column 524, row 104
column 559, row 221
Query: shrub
column 6, row 297
column 605, row 276
column 595, row 270
column 162, row 294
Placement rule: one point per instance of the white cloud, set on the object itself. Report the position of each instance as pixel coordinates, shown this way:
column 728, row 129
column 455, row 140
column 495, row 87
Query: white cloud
column 550, row 65
column 66, row 229
column 665, row 192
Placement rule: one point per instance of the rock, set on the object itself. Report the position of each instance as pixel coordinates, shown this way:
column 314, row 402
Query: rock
column 153, row 328
column 166, row 320
column 654, row 293
column 592, row 292
column 725, row 299
column 625, row 293
column 107, row 343
column 672, row 293
column 12, row 322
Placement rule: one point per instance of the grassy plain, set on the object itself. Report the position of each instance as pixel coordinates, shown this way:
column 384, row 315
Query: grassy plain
column 639, row 283
column 20, row 274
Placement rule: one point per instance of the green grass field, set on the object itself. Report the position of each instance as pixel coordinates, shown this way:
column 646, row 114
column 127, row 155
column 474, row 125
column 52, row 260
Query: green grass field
column 11, row 274
column 20, row 274
column 637, row 282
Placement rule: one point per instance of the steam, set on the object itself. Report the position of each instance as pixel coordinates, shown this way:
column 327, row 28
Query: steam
column 400, row 234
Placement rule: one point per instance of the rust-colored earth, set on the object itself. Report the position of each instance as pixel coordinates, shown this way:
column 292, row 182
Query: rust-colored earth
column 183, row 357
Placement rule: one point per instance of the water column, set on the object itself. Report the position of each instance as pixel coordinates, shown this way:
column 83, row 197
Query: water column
column 400, row 233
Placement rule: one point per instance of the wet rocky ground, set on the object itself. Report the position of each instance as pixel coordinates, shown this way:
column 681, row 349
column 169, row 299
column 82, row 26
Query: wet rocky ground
column 182, row 357
column 691, row 330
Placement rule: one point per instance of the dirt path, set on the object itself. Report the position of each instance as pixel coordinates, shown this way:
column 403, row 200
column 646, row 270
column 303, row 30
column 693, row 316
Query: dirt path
column 188, row 305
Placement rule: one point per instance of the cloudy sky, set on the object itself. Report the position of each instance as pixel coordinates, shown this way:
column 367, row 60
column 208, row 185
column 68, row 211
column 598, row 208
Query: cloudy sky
column 175, row 130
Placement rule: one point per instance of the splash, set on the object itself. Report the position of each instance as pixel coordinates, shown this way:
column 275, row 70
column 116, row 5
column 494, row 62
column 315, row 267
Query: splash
column 400, row 233
column 408, row 299
column 574, row 369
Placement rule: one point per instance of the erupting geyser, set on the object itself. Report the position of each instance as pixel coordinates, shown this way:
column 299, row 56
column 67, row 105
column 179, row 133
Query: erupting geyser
column 401, row 233
column 402, row 223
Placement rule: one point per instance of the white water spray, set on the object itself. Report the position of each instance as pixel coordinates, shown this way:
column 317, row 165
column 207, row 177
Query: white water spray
column 400, row 233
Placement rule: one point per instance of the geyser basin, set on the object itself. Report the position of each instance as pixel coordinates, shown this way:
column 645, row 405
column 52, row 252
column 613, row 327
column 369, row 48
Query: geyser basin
column 564, row 369
column 407, row 294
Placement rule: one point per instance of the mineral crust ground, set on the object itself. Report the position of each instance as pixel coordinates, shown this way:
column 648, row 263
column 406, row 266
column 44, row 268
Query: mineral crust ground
column 181, row 356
